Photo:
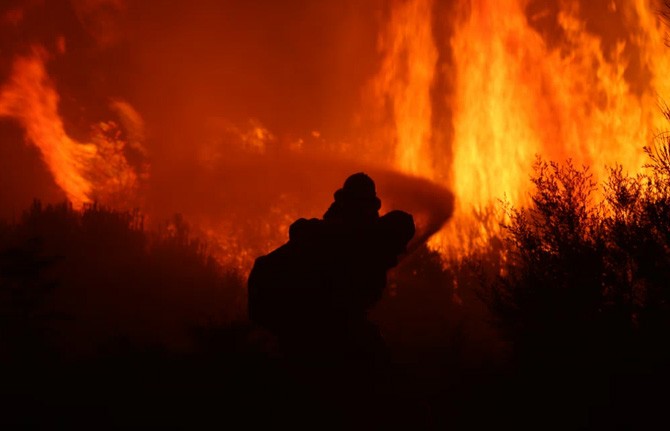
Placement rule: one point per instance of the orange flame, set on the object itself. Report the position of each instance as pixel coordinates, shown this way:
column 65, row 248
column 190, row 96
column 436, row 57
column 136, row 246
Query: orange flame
column 512, row 91
column 406, row 75
column 516, row 95
column 85, row 171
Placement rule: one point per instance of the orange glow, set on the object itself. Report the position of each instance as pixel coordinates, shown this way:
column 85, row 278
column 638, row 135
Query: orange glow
column 517, row 95
column 85, row 171
column 406, row 75
column 247, row 117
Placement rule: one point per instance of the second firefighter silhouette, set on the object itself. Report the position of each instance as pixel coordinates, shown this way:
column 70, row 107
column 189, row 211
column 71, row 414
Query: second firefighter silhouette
column 314, row 292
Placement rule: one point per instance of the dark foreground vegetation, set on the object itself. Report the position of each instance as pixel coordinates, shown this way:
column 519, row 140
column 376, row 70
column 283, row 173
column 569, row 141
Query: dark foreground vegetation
column 583, row 295
column 561, row 324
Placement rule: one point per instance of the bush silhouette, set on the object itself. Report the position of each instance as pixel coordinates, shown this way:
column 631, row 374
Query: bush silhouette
column 104, row 276
column 583, row 288
column 579, row 271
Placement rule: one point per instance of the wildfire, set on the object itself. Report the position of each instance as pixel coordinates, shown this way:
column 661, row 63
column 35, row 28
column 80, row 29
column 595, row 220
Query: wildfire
column 406, row 75
column 516, row 94
column 465, row 95
column 85, row 171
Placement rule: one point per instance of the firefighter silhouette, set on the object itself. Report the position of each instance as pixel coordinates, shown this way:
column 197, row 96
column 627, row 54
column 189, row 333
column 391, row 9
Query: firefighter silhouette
column 315, row 291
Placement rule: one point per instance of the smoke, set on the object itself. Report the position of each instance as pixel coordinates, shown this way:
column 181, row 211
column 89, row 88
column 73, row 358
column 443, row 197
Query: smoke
column 294, row 66
column 252, row 113
column 183, row 81
column 103, row 20
column 278, row 188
